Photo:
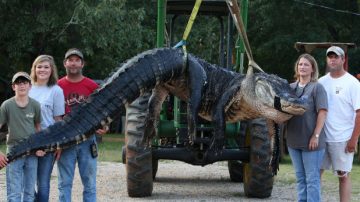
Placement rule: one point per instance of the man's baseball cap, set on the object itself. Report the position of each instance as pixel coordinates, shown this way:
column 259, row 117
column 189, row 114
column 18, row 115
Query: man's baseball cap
column 74, row 51
column 20, row 74
column 335, row 49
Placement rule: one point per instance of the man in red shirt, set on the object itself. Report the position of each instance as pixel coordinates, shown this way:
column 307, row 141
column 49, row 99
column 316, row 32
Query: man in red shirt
column 76, row 89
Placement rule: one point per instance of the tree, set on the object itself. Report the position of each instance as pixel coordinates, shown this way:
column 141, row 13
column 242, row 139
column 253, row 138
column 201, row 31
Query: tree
column 275, row 26
column 111, row 31
column 107, row 32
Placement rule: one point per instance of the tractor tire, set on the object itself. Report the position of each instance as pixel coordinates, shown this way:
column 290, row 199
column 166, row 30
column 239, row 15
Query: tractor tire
column 258, row 177
column 138, row 158
column 155, row 163
column 236, row 171
column 236, row 168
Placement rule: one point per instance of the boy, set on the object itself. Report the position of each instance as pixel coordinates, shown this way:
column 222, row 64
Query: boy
column 22, row 115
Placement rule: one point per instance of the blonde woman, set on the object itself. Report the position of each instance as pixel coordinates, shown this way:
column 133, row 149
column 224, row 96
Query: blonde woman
column 45, row 90
column 305, row 134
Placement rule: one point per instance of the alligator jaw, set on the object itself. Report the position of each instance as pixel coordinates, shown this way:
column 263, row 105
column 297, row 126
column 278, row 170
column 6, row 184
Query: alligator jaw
column 292, row 107
column 293, row 110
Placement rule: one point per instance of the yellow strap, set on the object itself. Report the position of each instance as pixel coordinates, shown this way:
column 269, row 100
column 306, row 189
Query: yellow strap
column 192, row 18
column 191, row 21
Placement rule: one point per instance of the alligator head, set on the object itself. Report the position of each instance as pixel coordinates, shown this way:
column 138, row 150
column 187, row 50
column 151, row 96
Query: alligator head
column 272, row 97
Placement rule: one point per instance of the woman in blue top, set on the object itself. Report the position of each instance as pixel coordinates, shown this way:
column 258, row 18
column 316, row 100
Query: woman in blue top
column 305, row 135
column 45, row 90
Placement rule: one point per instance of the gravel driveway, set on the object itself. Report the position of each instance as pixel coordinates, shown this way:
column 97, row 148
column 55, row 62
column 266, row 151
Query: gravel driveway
column 176, row 181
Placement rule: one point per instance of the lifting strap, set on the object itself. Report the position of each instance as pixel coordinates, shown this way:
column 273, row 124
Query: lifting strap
column 189, row 26
column 235, row 13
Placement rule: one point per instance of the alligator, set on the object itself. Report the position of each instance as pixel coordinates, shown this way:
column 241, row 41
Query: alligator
column 212, row 92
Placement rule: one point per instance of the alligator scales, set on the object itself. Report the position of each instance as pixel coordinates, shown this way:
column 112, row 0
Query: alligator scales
column 213, row 93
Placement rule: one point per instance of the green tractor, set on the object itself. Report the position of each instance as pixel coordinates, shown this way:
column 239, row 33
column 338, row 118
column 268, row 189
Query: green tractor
column 247, row 149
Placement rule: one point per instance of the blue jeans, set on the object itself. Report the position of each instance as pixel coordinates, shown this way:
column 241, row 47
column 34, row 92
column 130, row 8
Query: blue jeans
column 87, row 169
column 45, row 167
column 307, row 170
column 21, row 178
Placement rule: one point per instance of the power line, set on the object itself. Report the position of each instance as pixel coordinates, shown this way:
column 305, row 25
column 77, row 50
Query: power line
column 328, row 8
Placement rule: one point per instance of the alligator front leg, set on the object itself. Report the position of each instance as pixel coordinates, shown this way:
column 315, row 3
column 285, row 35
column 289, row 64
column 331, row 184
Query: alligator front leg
column 274, row 135
column 196, row 82
column 218, row 118
column 155, row 102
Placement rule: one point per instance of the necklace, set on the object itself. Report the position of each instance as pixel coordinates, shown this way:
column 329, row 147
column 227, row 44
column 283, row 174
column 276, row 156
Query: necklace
column 300, row 87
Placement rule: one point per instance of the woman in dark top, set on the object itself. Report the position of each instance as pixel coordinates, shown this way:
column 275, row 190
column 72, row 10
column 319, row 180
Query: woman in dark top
column 305, row 135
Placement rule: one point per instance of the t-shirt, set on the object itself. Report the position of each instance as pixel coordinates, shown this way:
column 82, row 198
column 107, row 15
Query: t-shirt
column 344, row 99
column 51, row 99
column 76, row 93
column 20, row 120
column 299, row 129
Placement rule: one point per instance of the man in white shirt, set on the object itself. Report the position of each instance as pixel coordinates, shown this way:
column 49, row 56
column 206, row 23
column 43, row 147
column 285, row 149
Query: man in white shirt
column 342, row 125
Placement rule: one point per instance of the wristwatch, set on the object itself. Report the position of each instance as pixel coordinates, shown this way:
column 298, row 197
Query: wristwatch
column 317, row 135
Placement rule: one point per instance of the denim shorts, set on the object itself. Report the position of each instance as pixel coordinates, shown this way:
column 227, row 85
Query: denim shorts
column 336, row 158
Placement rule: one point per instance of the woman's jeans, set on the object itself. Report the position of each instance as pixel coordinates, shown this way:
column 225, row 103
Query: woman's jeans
column 21, row 178
column 45, row 167
column 81, row 154
column 307, row 169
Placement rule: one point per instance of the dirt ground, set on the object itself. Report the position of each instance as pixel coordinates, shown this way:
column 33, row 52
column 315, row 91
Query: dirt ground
column 176, row 181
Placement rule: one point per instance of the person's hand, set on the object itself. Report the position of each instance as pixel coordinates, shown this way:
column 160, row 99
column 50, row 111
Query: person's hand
column 58, row 154
column 103, row 130
column 40, row 153
column 314, row 142
column 351, row 145
column 3, row 160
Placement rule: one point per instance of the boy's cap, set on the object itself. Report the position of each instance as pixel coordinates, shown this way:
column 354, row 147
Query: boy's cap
column 20, row 74
column 335, row 49
column 74, row 51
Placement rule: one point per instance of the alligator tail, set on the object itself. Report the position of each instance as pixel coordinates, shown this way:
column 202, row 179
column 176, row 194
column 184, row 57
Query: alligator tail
column 136, row 76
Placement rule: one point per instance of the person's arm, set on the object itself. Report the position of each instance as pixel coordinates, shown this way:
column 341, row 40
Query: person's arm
column 58, row 118
column 37, row 127
column 3, row 160
column 105, row 127
column 351, row 145
column 39, row 153
column 58, row 151
column 320, row 121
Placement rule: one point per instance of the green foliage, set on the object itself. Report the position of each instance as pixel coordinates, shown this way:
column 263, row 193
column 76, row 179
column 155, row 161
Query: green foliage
column 107, row 31
column 203, row 39
column 111, row 31
column 274, row 27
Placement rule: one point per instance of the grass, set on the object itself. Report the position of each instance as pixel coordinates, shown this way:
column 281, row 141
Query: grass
column 286, row 177
column 110, row 149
